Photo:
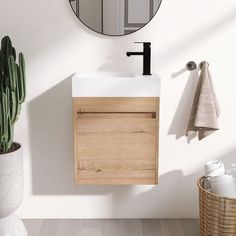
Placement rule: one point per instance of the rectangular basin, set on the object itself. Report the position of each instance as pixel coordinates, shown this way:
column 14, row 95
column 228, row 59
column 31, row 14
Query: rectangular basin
column 101, row 84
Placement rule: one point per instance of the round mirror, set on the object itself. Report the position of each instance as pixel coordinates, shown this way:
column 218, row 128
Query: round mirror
column 115, row 17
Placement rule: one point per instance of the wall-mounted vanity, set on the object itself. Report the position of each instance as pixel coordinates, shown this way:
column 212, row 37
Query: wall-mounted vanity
column 116, row 124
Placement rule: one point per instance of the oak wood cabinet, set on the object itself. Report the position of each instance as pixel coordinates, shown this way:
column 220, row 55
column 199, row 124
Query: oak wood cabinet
column 116, row 140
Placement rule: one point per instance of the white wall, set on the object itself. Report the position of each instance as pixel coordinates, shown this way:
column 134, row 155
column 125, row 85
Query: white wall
column 56, row 45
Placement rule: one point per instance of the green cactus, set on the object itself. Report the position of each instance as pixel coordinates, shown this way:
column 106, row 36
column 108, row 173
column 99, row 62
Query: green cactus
column 12, row 92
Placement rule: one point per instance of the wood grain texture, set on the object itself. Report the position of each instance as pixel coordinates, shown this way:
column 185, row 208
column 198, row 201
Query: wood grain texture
column 130, row 227
column 124, row 164
column 83, row 105
column 116, row 141
column 151, row 227
column 75, row 136
column 116, row 177
column 113, row 227
column 171, row 227
column 33, row 226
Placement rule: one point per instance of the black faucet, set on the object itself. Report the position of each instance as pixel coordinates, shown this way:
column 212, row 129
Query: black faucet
column 146, row 57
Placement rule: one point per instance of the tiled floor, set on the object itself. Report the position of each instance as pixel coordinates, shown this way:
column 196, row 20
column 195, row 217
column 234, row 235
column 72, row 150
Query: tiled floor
column 136, row 227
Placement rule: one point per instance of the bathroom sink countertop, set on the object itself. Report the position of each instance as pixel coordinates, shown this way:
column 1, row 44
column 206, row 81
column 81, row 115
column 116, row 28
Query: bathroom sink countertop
column 103, row 84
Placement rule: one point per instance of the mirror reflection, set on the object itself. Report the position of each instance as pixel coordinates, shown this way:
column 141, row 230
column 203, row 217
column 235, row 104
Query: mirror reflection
column 115, row 17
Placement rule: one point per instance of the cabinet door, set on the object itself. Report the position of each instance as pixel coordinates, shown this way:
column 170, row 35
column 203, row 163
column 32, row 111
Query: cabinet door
column 116, row 147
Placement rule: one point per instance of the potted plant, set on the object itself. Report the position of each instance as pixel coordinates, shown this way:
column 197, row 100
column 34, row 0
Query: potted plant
column 12, row 95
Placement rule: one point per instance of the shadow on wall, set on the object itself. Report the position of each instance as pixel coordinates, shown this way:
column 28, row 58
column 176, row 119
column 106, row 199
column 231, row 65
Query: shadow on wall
column 171, row 196
column 180, row 120
column 118, row 61
column 51, row 135
column 175, row 195
column 193, row 40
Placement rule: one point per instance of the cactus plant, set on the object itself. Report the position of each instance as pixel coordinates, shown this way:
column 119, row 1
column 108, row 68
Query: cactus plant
column 12, row 92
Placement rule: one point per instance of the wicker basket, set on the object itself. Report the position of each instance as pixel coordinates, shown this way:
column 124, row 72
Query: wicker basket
column 217, row 214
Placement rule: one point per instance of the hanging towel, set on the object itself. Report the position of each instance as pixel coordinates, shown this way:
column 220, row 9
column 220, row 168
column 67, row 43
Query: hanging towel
column 205, row 109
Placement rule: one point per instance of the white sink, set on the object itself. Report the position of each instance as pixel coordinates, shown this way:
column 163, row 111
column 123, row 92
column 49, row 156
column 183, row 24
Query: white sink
column 102, row 84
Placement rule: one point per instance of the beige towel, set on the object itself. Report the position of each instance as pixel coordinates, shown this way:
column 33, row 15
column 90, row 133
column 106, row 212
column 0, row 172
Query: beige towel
column 205, row 109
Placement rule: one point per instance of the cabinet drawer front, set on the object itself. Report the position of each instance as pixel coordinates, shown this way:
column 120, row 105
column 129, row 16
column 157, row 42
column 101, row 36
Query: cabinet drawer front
column 116, row 140
column 129, row 164
column 114, row 147
column 108, row 176
column 116, row 104
column 116, row 136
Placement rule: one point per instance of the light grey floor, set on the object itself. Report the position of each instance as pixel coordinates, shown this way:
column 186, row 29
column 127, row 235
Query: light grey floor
column 149, row 227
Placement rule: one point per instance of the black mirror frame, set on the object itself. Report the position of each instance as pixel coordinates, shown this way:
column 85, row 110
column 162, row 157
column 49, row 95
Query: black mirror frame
column 113, row 35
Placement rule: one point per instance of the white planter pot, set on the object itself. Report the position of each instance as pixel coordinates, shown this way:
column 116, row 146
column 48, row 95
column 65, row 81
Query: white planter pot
column 12, row 226
column 11, row 182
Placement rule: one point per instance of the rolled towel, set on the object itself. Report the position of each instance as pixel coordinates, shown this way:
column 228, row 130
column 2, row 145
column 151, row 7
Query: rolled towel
column 214, row 168
column 205, row 109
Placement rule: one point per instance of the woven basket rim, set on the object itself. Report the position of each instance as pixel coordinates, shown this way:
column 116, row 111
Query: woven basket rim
column 210, row 193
